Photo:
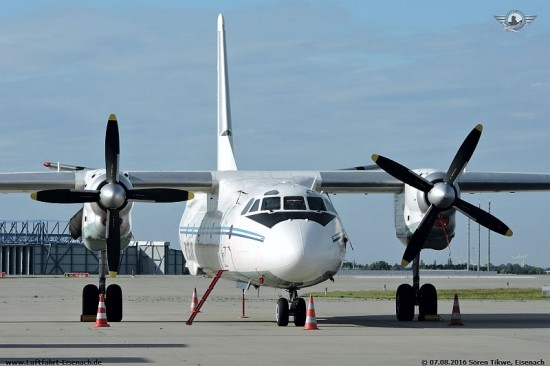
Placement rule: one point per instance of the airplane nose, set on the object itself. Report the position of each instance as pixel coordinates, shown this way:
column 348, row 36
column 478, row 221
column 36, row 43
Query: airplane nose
column 301, row 251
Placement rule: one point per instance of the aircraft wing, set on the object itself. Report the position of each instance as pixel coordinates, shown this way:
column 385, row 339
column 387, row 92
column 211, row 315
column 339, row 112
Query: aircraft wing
column 469, row 182
column 28, row 182
column 36, row 181
column 190, row 181
column 338, row 181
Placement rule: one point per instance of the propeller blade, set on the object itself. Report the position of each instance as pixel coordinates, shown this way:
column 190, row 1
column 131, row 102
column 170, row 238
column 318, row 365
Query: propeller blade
column 419, row 236
column 112, row 150
column 463, row 154
column 113, row 241
column 483, row 217
column 364, row 167
column 159, row 195
column 66, row 196
column 402, row 173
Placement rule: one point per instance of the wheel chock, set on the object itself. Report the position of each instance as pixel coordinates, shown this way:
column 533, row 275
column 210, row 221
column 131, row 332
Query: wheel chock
column 431, row 318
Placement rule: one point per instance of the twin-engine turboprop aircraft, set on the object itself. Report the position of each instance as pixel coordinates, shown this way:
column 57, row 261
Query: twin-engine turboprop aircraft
column 268, row 228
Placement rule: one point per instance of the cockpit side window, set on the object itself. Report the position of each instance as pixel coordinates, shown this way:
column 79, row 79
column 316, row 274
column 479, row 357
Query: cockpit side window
column 247, row 206
column 329, row 206
column 316, row 204
column 271, row 203
column 294, row 203
column 255, row 206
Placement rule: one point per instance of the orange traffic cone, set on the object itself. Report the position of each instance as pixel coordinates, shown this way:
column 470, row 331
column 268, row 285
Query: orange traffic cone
column 101, row 319
column 456, row 319
column 311, row 320
column 194, row 301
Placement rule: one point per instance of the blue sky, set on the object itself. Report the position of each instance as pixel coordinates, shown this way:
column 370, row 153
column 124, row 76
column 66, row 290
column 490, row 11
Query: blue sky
column 314, row 85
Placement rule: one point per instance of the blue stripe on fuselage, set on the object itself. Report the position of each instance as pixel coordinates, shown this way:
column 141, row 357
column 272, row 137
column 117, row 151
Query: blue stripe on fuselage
column 223, row 230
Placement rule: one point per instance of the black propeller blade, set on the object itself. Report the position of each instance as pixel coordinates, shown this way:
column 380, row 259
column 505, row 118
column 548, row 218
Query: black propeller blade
column 402, row 173
column 463, row 154
column 113, row 195
column 442, row 195
column 112, row 150
column 159, row 195
column 66, row 196
column 113, row 241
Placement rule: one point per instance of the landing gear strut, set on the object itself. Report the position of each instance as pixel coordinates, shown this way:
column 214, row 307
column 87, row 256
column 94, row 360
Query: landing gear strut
column 296, row 307
column 113, row 296
column 407, row 297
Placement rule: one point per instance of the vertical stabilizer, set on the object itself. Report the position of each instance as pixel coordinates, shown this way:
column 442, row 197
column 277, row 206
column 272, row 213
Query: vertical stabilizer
column 226, row 159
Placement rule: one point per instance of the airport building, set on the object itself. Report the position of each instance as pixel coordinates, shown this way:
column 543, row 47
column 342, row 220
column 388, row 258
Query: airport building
column 46, row 248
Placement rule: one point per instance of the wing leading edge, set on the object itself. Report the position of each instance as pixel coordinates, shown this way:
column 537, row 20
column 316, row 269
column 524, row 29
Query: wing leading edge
column 337, row 181
column 469, row 182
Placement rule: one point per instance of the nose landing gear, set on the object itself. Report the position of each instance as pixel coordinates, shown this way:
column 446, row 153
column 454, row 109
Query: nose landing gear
column 295, row 307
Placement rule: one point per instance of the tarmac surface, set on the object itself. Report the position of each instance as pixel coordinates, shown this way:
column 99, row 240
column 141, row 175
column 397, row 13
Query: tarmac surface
column 39, row 325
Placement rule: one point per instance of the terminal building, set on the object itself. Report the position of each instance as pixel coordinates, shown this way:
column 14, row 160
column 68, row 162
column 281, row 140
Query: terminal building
column 46, row 248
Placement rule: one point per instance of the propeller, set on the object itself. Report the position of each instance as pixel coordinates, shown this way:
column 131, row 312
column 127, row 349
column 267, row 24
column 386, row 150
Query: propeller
column 112, row 196
column 442, row 195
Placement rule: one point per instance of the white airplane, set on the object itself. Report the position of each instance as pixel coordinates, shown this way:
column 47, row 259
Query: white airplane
column 267, row 228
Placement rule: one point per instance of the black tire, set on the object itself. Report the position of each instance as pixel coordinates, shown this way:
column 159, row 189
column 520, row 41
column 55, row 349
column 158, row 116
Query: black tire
column 90, row 301
column 427, row 301
column 404, row 303
column 113, row 303
column 281, row 312
column 300, row 312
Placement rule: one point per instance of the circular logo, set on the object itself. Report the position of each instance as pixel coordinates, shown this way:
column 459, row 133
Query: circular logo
column 515, row 20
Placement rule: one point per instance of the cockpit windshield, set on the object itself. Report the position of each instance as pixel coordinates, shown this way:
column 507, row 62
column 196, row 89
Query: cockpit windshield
column 273, row 208
column 271, row 203
column 289, row 203
column 316, row 204
column 294, row 203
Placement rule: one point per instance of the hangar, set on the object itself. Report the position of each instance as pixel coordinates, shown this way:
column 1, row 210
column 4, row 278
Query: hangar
column 42, row 247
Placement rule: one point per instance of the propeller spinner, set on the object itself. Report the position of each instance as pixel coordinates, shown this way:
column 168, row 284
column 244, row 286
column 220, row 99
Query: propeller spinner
column 112, row 196
column 442, row 195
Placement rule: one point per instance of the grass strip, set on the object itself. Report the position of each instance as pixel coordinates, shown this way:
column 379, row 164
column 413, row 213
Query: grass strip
column 509, row 294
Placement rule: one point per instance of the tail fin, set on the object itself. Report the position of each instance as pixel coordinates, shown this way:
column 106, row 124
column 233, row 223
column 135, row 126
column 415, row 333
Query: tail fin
column 226, row 158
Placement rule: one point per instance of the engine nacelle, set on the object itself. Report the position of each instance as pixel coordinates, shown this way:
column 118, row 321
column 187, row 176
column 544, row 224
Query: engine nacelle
column 410, row 207
column 94, row 216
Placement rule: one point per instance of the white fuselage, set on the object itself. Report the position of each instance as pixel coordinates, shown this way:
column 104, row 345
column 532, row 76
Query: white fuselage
column 280, row 235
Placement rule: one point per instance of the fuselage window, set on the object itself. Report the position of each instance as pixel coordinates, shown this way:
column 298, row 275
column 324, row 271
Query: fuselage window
column 245, row 209
column 294, row 203
column 316, row 204
column 271, row 203
column 271, row 193
column 255, row 206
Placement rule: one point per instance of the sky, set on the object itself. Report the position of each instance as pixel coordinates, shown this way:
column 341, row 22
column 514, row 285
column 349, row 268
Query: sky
column 314, row 85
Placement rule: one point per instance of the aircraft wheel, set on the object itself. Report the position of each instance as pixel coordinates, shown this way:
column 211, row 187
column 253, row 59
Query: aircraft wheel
column 90, row 301
column 427, row 300
column 281, row 312
column 404, row 303
column 113, row 303
column 300, row 312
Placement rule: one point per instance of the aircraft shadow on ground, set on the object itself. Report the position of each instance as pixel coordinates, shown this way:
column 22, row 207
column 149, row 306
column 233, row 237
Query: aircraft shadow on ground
column 477, row 321
column 91, row 345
